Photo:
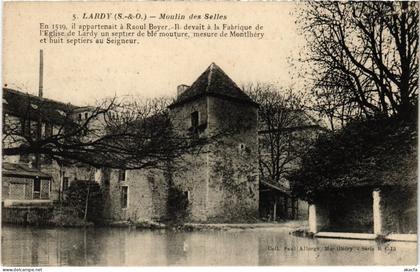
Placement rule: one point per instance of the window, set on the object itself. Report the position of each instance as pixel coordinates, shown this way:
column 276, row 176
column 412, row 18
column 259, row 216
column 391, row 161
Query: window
column 37, row 188
column 194, row 119
column 80, row 117
column 26, row 127
column 187, row 196
column 65, row 183
column 121, row 175
column 86, row 115
column 241, row 148
column 194, row 123
column 48, row 130
column 124, row 197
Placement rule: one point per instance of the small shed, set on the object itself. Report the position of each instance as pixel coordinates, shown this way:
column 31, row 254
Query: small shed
column 277, row 203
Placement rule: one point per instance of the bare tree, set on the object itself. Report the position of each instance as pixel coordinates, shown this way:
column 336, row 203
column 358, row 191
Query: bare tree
column 285, row 130
column 118, row 133
column 364, row 57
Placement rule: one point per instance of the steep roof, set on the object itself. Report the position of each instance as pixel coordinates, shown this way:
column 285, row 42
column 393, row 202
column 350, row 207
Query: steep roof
column 214, row 82
column 32, row 107
column 21, row 170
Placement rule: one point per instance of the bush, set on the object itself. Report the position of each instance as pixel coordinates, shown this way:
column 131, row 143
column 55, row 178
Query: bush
column 65, row 216
column 364, row 153
column 85, row 200
column 178, row 208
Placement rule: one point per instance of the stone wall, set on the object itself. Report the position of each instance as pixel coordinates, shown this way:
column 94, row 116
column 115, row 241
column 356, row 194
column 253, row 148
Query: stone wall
column 147, row 196
column 303, row 207
column 323, row 217
column 190, row 176
column 233, row 161
column 222, row 180
column 190, row 173
column 399, row 209
column 26, row 215
column 347, row 210
column 17, row 188
column 72, row 172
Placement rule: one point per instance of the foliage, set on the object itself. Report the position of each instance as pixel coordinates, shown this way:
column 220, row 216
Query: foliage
column 85, row 199
column 178, row 208
column 66, row 216
column 381, row 151
column 363, row 58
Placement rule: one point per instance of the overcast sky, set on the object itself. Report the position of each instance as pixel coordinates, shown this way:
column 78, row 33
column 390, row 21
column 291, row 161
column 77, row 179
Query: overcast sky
column 82, row 74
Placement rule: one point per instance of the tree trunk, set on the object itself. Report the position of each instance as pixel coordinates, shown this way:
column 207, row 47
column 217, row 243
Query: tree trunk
column 87, row 204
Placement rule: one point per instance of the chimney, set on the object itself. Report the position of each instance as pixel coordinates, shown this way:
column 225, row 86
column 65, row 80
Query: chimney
column 41, row 73
column 40, row 94
column 181, row 88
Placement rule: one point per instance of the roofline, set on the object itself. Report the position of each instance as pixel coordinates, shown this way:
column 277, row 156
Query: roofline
column 187, row 100
column 292, row 129
column 26, row 176
column 366, row 186
column 283, row 190
column 40, row 98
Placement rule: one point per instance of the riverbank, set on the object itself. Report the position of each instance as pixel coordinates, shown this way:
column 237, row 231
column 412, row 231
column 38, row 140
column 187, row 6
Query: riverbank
column 292, row 225
column 65, row 217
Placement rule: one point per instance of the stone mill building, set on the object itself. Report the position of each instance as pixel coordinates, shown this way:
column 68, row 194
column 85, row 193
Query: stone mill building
column 217, row 183
column 220, row 182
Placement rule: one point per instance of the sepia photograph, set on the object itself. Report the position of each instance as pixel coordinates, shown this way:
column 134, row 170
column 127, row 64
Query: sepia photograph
column 138, row 134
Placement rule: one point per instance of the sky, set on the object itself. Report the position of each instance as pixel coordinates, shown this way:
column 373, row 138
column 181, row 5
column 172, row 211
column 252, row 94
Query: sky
column 155, row 67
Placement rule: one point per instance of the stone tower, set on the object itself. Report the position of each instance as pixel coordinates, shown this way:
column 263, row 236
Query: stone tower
column 221, row 182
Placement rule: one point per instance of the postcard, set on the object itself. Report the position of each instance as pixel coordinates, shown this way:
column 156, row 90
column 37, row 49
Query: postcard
column 209, row 134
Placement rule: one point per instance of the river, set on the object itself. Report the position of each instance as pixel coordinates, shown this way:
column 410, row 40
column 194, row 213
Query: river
column 32, row 246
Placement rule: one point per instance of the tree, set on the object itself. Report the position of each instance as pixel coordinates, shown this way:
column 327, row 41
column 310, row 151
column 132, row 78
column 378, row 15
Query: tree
column 364, row 58
column 375, row 152
column 85, row 197
column 128, row 133
column 285, row 131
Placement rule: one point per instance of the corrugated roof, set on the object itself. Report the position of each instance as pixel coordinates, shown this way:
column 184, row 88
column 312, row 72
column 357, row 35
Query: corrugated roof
column 22, row 170
column 213, row 81
column 33, row 107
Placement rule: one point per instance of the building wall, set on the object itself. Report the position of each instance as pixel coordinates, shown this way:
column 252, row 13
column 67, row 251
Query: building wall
column 399, row 209
column 303, row 207
column 72, row 172
column 19, row 188
column 190, row 178
column 12, row 122
column 222, row 180
column 347, row 210
column 147, row 196
column 233, row 161
column 190, row 173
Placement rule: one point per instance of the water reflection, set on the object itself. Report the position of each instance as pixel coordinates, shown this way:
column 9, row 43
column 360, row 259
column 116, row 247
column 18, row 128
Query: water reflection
column 29, row 246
